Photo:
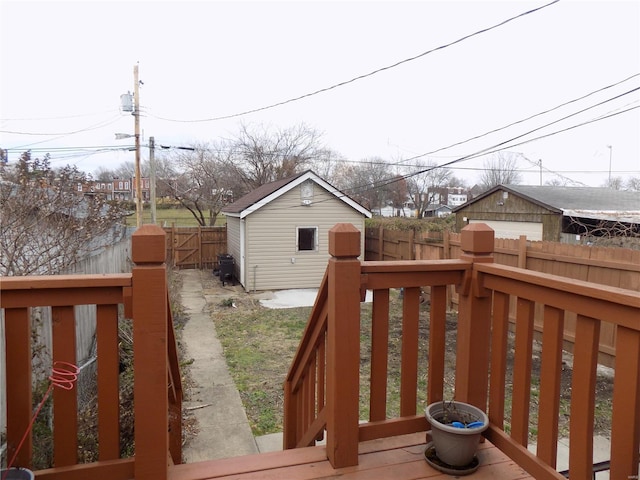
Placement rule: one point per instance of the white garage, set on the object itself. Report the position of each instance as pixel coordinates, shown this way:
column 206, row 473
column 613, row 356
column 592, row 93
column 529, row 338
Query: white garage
column 503, row 229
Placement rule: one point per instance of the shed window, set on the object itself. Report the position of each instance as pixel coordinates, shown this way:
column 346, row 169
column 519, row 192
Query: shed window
column 307, row 239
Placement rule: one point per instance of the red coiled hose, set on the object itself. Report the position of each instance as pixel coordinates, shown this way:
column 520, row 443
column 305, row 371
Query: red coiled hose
column 63, row 375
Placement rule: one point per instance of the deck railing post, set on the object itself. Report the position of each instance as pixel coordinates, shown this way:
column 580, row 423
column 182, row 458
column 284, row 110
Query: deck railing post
column 474, row 319
column 343, row 345
column 150, row 353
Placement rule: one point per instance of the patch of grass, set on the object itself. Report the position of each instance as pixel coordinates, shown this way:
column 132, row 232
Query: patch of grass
column 259, row 345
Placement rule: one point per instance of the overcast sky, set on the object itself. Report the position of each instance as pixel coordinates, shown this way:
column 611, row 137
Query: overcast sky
column 64, row 66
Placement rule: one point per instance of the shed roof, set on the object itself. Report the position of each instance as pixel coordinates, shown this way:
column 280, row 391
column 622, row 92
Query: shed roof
column 587, row 202
column 268, row 192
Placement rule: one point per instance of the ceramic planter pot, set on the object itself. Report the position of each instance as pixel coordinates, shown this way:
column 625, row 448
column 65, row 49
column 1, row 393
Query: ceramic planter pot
column 456, row 428
column 16, row 474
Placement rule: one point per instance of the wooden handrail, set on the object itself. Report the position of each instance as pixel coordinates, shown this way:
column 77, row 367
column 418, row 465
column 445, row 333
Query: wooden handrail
column 486, row 292
column 590, row 305
column 158, row 388
column 175, row 391
column 308, row 362
column 333, row 331
column 17, row 297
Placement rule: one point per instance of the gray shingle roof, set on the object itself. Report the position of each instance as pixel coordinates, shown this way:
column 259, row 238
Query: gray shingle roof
column 587, row 202
column 258, row 194
column 580, row 198
column 268, row 192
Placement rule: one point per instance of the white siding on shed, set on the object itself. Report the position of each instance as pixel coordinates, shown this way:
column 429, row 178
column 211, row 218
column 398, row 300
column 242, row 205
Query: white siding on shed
column 233, row 242
column 503, row 229
column 272, row 261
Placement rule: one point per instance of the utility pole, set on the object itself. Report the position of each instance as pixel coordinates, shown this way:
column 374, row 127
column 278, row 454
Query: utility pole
column 540, row 164
column 152, row 165
column 136, row 116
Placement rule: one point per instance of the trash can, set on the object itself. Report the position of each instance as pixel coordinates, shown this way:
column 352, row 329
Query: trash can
column 226, row 265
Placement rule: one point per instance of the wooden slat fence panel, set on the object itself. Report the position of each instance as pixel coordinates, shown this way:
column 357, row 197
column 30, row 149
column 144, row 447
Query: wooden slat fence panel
column 195, row 247
column 616, row 267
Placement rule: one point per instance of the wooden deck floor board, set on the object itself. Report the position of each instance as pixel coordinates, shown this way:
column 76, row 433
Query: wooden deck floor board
column 401, row 458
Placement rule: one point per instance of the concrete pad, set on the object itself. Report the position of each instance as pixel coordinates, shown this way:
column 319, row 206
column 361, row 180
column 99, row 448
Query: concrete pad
column 601, row 453
column 274, row 441
column 270, row 443
column 301, row 297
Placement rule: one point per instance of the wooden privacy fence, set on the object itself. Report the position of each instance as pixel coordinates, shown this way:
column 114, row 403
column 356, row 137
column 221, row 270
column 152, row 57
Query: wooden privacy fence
column 615, row 267
column 195, row 247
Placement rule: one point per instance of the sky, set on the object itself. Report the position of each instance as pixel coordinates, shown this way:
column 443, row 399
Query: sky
column 408, row 78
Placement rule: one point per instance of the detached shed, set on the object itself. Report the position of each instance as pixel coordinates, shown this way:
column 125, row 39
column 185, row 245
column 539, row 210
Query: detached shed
column 552, row 213
column 278, row 234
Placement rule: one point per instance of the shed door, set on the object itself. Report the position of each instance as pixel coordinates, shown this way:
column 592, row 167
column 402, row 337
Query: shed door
column 503, row 229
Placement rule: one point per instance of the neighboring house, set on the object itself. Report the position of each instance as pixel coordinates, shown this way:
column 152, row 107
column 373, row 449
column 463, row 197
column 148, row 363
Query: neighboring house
column 122, row 189
column 450, row 196
column 551, row 213
column 408, row 210
column 438, row 210
column 91, row 188
column 278, row 233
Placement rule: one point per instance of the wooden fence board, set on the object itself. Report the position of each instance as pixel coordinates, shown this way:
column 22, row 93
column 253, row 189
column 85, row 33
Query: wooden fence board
column 617, row 267
column 195, row 247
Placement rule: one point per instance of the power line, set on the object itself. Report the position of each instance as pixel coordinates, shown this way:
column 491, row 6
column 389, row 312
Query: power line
column 56, row 117
column 547, row 124
column 94, row 127
column 486, row 151
column 64, row 134
column 522, row 120
column 360, row 77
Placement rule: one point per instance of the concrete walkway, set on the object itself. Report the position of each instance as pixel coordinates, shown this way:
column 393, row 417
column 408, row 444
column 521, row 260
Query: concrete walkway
column 223, row 428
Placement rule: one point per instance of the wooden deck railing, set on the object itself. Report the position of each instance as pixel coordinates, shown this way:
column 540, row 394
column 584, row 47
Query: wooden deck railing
column 563, row 300
column 157, row 384
column 322, row 387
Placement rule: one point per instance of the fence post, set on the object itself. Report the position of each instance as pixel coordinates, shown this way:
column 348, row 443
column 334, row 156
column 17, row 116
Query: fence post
column 474, row 319
column 343, row 345
column 412, row 244
column 522, row 251
column 150, row 353
column 446, row 255
column 380, row 242
column 446, row 246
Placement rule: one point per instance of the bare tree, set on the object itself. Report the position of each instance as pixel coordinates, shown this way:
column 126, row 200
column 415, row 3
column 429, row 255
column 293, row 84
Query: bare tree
column 259, row 155
column 398, row 193
column 47, row 223
column 600, row 228
column 558, row 182
column 500, row 169
column 633, row 184
column 421, row 186
column 615, row 183
column 198, row 182
column 367, row 183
